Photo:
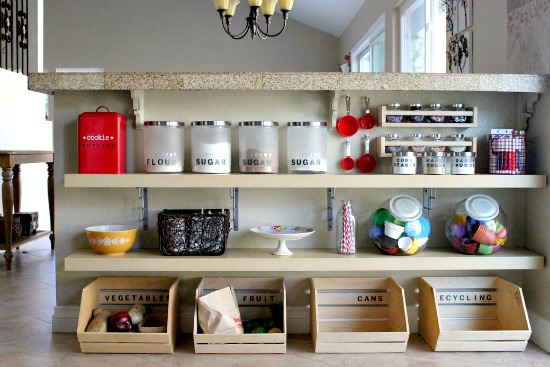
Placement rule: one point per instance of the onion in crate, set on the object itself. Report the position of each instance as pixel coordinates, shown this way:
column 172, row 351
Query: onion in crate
column 120, row 322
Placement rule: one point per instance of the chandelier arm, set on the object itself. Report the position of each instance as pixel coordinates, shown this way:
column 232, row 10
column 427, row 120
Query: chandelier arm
column 238, row 36
column 266, row 33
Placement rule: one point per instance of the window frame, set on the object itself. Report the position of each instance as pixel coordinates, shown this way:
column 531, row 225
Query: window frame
column 365, row 43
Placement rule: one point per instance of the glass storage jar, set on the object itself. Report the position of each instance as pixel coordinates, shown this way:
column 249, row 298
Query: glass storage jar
column 393, row 118
column 345, row 237
column 436, row 107
column 163, row 146
column 477, row 225
column 434, row 163
column 463, row 163
column 404, row 163
column 392, row 138
column 416, row 144
column 258, row 147
column 307, row 147
column 458, row 119
column 416, row 118
column 399, row 226
column 457, row 138
column 436, row 148
column 211, row 146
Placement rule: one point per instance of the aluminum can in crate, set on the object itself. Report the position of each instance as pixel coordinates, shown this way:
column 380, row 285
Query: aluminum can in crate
column 101, row 142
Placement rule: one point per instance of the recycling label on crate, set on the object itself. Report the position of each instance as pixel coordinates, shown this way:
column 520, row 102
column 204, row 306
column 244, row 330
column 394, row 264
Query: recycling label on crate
column 466, row 296
column 133, row 296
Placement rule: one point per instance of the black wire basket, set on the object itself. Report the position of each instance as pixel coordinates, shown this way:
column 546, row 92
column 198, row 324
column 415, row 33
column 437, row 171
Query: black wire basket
column 201, row 232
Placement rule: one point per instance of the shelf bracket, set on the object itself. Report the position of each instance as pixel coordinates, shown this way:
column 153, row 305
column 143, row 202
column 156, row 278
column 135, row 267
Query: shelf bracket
column 334, row 101
column 331, row 193
column 138, row 97
column 427, row 196
column 144, row 202
column 235, row 196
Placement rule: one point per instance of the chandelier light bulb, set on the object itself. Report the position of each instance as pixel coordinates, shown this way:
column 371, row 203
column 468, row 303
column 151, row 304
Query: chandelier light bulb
column 231, row 7
column 255, row 2
column 268, row 7
column 286, row 4
column 221, row 4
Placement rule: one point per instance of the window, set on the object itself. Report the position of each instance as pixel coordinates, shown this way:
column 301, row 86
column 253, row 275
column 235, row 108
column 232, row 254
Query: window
column 423, row 37
column 369, row 55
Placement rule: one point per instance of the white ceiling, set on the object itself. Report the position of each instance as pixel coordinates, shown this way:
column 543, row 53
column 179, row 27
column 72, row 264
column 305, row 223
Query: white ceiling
column 330, row 16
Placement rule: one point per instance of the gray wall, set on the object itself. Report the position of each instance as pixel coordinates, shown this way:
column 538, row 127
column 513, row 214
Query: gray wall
column 173, row 35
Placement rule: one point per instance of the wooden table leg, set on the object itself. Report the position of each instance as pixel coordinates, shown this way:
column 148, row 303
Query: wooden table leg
column 7, row 206
column 51, row 202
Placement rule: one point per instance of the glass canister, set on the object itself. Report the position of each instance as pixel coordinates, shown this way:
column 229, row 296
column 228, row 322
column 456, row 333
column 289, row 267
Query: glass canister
column 416, row 118
column 404, row 163
column 477, row 225
column 416, row 144
column 463, row 163
column 434, row 163
column 436, row 148
column 258, row 147
column 392, row 138
column 211, row 146
column 457, row 138
column 393, row 118
column 399, row 226
column 436, row 107
column 307, row 147
column 345, row 241
column 458, row 119
column 163, row 146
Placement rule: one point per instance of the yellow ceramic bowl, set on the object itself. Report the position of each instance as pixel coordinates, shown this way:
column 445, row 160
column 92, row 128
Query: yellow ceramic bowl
column 111, row 239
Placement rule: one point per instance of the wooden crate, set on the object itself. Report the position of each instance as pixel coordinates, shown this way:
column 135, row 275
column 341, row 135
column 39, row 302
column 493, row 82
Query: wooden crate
column 158, row 295
column 357, row 315
column 254, row 296
column 472, row 314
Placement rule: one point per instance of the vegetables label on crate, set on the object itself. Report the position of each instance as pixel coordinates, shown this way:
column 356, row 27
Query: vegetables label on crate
column 133, row 296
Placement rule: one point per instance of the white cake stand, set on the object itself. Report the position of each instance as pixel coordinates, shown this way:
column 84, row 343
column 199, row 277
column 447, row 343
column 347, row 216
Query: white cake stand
column 282, row 234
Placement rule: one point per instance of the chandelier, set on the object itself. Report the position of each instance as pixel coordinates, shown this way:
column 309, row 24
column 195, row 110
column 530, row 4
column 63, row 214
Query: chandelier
column 226, row 8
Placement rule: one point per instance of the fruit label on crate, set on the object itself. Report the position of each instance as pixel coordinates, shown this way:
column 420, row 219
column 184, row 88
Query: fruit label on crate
column 353, row 298
column 133, row 296
column 466, row 296
column 247, row 298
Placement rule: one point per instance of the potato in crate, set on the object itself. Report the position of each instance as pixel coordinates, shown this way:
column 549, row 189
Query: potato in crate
column 262, row 306
column 472, row 314
column 358, row 315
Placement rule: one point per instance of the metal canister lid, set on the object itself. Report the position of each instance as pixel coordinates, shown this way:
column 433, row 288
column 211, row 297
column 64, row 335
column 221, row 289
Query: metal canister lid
column 457, row 136
column 436, row 105
column 404, row 154
column 434, row 154
column 392, row 136
column 211, row 123
column 164, row 123
column 463, row 154
column 416, row 135
column 436, row 136
column 417, row 105
column 458, row 105
column 394, row 106
column 308, row 123
column 259, row 123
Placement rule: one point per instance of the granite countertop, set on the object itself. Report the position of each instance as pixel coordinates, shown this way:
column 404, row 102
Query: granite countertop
column 51, row 82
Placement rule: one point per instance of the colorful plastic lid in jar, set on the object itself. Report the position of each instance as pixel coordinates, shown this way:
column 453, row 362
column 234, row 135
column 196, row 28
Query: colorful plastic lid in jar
column 399, row 226
column 477, row 225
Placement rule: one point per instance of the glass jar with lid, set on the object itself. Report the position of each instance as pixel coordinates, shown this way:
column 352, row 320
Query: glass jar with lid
column 463, row 163
column 163, row 146
column 458, row 119
column 416, row 143
column 404, row 163
column 307, row 147
column 477, row 225
column 392, row 138
column 258, row 147
column 211, row 146
column 436, row 138
column 389, row 116
column 436, row 107
column 458, row 138
column 399, row 226
column 416, row 107
column 434, row 163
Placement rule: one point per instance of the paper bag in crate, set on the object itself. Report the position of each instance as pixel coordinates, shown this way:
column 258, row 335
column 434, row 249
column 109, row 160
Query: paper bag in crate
column 219, row 313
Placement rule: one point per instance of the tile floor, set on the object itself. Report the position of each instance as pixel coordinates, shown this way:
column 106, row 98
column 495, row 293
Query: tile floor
column 28, row 297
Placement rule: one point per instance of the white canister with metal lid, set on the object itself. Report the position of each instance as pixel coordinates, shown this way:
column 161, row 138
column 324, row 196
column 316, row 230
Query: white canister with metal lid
column 258, row 147
column 163, row 146
column 404, row 163
column 463, row 163
column 434, row 163
column 211, row 146
column 307, row 147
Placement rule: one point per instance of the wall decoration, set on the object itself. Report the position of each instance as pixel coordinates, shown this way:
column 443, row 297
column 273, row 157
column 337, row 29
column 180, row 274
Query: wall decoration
column 459, row 53
column 459, row 14
column 465, row 8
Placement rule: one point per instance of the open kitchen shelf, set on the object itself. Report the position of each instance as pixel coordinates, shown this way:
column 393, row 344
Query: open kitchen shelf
column 302, row 260
column 191, row 180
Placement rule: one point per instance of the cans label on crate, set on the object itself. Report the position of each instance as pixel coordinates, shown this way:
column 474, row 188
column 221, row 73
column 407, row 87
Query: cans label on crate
column 354, row 298
column 470, row 296
column 132, row 296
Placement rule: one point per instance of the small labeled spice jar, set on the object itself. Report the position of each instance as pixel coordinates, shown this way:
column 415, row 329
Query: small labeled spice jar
column 392, row 138
column 416, row 118
column 163, row 146
column 393, row 118
column 463, row 163
column 307, row 147
column 457, row 138
column 458, row 119
column 404, row 163
column 258, row 147
column 435, row 107
column 416, row 144
column 436, row 148
column 434, row 163
column 211, row 146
